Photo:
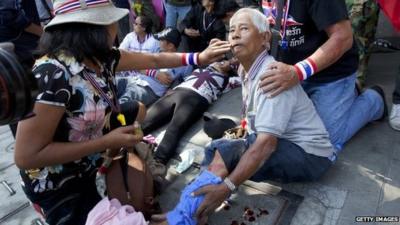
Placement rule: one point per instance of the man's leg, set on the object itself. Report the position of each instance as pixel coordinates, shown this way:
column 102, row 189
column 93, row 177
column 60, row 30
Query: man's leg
column 160, row 113
column 170, row 15
column 341, row 110
column 395, row 113
column 364, row 18
column 182, row 11
column 288, row 163
column 139, row 93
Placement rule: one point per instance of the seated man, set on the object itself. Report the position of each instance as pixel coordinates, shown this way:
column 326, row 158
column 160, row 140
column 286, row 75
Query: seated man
column 148, row 86
column 287, row 140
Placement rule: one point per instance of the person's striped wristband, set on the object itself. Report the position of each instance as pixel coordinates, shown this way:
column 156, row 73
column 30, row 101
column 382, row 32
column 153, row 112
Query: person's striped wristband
column 305, row 68
column 190, row 59
column 151, row 73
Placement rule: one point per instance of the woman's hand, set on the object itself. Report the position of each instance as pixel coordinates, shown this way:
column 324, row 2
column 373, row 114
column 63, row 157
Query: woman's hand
column 214, row 52
column 122, row 137
column 192, row 32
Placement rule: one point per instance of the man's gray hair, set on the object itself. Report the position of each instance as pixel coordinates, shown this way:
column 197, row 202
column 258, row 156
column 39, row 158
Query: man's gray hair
column 257, row 18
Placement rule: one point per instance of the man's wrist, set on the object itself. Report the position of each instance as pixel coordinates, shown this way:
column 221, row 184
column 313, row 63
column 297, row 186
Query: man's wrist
column 305, row 69
column 231, row 186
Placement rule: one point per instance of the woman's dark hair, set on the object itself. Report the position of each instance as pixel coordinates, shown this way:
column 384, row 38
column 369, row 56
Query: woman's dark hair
column 78, row 40
column 147, row 23
column 226, row 6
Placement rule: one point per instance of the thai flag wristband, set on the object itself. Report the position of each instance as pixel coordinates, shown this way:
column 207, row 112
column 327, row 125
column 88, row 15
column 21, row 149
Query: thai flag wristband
column 151, row 73
column 190, row 59
column 305, row 69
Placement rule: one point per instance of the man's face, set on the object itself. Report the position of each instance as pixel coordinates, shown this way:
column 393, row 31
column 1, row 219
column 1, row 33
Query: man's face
column 166, row 46
column 244, row 37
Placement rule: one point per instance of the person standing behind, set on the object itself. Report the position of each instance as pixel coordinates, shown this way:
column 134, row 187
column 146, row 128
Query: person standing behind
column 201, row 25
column 364, row 16
column 317, row 49
column 124, row 26
column 175, row 11
column 44, row 8
column 20, row 24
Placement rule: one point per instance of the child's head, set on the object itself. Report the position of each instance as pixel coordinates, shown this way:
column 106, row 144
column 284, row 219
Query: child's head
column 142, row 24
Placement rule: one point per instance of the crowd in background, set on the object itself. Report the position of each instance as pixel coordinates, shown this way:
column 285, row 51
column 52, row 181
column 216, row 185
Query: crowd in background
column 162, row 65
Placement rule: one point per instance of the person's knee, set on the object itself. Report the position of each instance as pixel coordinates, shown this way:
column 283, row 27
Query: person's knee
column 141, row 112
column 218, row 166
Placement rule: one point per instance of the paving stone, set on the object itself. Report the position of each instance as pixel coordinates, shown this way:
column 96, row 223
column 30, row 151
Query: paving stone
column 28, row 216
column 322, row 204
column 6, row 153
column 389, row 203
column 360, row 203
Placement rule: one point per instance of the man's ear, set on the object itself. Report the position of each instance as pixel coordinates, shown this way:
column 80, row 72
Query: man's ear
column 267, row 40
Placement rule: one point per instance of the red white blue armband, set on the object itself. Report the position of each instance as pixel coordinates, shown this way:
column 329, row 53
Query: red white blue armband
column 305, row 68
column 190, row 59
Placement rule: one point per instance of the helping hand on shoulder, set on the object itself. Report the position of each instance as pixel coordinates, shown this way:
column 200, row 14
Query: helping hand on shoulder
column 279, row 77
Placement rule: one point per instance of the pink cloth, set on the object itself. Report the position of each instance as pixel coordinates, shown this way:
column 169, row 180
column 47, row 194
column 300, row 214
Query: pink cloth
column 108, row 212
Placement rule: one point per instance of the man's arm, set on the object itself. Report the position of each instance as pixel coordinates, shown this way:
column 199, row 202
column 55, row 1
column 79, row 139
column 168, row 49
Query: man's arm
column 249, row 163
column 34, row 29
column 253, row 158
column 283, row 76
column 340, row 41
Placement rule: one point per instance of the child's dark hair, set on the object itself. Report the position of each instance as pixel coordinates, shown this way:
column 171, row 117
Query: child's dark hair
column 78, row 40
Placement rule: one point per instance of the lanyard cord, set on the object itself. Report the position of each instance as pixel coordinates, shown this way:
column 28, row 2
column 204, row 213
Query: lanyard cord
column 204, row 22
column 112, row 103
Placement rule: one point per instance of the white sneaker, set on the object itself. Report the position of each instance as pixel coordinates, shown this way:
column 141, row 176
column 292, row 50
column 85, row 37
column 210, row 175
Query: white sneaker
column 394, row 119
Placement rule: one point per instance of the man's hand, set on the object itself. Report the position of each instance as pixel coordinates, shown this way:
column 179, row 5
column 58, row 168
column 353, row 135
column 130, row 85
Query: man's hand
column 280, row 77
column 214, row 52
column 214, row 196
column 164, row 78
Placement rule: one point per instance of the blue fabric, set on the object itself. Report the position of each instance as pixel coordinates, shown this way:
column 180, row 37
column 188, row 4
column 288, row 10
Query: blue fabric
column 288, row 163
column 175, row 14
column 341, row 110
column 184, row 212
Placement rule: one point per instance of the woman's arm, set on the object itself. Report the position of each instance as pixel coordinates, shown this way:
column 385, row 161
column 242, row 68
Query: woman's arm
column 139, row 61
column 35, row 148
